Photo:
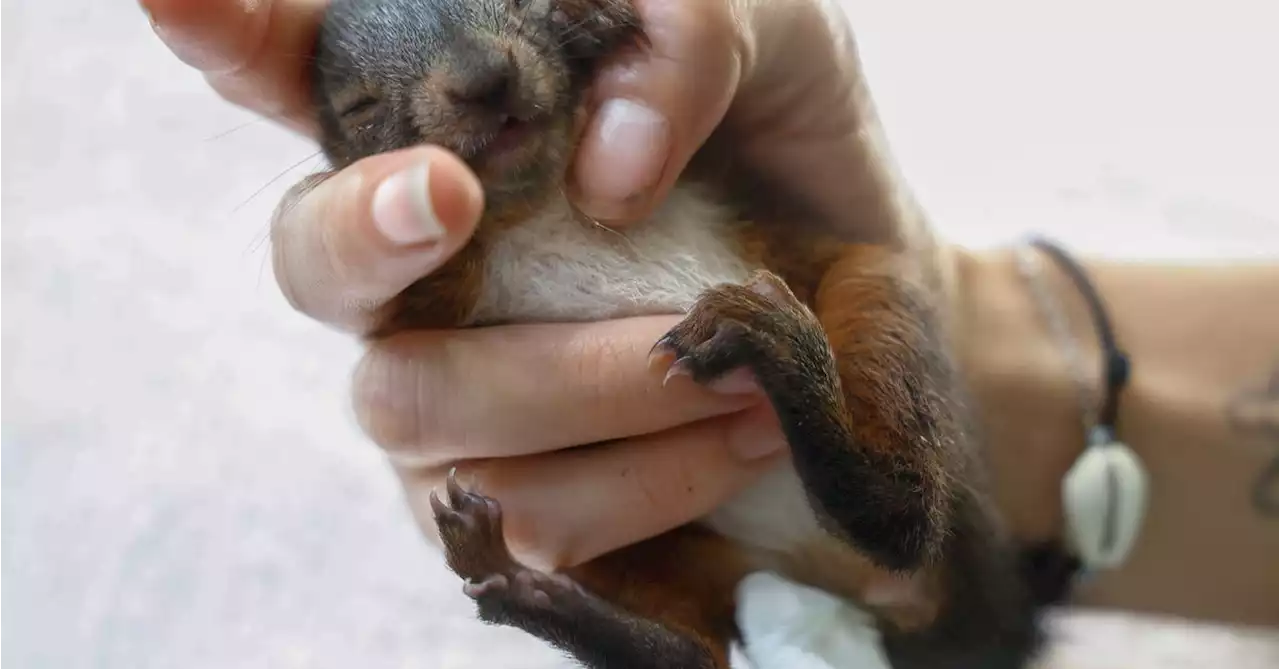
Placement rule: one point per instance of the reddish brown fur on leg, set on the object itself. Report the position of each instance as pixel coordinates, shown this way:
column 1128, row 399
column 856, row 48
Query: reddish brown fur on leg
column 684, row 579
column 666, row 602
column 896, row 384
column 866, row 425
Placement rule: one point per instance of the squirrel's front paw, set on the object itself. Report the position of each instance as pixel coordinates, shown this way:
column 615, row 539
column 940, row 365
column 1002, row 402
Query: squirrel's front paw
column 758, row 328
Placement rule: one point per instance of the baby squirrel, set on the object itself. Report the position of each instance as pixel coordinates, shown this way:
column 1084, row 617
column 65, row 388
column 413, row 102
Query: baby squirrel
column 882, row 500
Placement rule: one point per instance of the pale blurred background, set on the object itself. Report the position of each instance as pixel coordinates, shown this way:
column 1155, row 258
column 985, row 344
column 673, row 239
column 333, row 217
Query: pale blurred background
column 184, row 484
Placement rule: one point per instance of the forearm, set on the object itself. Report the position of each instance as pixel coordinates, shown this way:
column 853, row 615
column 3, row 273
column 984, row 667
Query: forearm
column 1200, row 410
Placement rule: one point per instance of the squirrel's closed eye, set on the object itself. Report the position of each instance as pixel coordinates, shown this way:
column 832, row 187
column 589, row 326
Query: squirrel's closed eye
column 360, row 106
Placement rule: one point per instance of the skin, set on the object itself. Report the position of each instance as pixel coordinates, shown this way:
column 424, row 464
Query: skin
column 434, row 400
column 335, row 265
column 1198, row 410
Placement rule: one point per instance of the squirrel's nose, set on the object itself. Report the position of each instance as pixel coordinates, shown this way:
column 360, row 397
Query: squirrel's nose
column 489, row 82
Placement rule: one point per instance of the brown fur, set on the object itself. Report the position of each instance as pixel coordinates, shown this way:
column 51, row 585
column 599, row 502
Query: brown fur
column 845, row 339
column 653, row 579
column 436, row 302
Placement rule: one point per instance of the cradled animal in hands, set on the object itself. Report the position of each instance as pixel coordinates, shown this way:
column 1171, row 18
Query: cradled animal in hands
column 882, row 499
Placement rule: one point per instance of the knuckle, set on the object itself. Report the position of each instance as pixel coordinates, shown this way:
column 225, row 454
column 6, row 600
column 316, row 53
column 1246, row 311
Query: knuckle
column 532, row 543
column 241, row 90
column 288, row 238
column 280, row 264
column 397, row 403
column 707, row 23
column 417, row 490
column 307, row 250
column 727, row 28
column 332, row 223
column 237, row 91
column 336, row 253
column 527, row 536
column 552, row 558
column 283, row 253
column 721, row 22
column 339, row 243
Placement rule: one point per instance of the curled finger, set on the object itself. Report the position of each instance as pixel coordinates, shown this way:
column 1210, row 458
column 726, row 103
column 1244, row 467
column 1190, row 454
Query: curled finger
column 497, row 392
column 655, row 107
column 344, row 244
column 254, row 54
column 566, row 507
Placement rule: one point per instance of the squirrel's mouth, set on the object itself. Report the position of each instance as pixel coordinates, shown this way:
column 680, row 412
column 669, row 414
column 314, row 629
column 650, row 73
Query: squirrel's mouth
column 512, row 133
column 510, row 142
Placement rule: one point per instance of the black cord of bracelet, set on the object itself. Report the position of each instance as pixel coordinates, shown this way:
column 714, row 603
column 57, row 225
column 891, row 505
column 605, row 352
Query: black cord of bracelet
column 1115, row 363
column 1050, row 568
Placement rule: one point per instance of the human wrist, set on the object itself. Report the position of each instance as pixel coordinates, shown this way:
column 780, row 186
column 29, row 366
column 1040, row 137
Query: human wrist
column 1030, row 428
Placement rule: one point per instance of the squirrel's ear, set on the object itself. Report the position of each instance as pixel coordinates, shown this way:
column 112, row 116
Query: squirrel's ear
column 593, row 29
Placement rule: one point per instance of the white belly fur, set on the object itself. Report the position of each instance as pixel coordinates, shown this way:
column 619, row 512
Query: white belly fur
column 554, row 268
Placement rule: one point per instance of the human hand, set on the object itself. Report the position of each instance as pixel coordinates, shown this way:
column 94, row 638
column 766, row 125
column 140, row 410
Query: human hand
column 781, row 78
column 780, row 75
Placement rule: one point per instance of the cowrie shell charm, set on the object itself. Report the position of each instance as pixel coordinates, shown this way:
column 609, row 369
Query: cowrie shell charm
column 1104, row 497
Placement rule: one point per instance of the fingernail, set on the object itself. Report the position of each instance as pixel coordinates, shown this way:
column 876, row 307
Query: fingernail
column 402, row 208
column 631, row 144
column 738, row 382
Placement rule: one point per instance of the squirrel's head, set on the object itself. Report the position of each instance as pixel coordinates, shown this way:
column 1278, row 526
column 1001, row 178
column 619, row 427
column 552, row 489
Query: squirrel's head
column 502, row 83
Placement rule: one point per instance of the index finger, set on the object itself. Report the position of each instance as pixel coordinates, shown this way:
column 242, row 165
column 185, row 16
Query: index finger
column 497, row 392
column 656, row 107
column 254, row 54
